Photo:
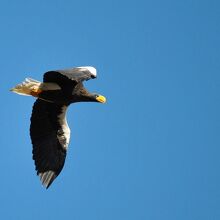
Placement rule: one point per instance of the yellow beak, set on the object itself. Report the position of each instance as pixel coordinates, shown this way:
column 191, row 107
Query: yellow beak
column 101, row 99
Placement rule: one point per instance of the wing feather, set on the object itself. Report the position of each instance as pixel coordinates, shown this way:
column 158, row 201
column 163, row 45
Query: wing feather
column 47, row 124
column 77, row 74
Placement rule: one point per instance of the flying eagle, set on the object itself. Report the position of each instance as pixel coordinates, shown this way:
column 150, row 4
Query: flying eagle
column 49, row 131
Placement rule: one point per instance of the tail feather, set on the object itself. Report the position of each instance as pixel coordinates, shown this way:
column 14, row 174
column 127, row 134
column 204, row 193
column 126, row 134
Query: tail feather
column 30, row 87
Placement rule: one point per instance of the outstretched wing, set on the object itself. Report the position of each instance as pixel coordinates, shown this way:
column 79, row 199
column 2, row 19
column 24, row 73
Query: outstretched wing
column 50, row 136
column 77, row 74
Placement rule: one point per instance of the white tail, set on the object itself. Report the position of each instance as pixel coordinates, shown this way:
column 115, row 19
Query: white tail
column 28, row 87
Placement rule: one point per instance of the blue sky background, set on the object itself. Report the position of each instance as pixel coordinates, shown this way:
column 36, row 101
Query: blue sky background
column 152, row 152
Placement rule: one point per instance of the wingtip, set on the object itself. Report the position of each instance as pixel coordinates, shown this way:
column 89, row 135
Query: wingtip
column 91, row 69
column 47, row 178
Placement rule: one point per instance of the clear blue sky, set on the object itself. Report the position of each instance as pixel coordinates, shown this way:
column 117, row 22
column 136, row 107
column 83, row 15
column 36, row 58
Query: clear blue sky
column 152, row 152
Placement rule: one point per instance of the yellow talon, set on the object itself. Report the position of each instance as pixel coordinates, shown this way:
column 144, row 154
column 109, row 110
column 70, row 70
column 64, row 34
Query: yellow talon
column 35, row 92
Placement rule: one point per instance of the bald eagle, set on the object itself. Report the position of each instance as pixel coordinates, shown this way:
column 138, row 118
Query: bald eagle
column 49, row 131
